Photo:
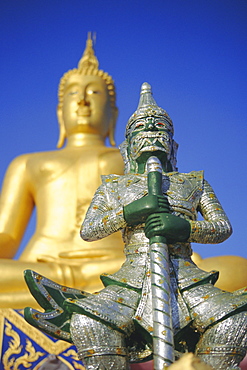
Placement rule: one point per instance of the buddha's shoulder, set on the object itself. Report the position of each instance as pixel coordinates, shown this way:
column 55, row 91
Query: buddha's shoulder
column 40, row 158
column 108, row 154
column 27, row 165
column 110, row 161
column 25, row 161
column 53, row 162
column 45, row 164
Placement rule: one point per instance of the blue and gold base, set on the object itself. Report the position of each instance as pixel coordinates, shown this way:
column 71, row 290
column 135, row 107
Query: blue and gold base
column 24, row 347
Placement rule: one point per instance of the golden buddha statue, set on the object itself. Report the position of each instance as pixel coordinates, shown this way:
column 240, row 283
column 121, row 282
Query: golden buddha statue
column 61, row 184
column 232, row 269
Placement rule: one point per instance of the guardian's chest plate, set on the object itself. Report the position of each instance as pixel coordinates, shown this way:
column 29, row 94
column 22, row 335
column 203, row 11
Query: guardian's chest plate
column 183, row 190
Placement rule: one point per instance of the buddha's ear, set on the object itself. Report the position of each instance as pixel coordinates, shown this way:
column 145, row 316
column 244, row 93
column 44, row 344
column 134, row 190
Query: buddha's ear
column 62, row 132
column 112, row 126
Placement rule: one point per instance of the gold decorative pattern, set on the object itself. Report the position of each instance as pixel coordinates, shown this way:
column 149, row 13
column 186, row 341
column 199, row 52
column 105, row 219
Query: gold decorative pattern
column 20, row 352
column 36, row 335
column 78, row 366
column 15, row 348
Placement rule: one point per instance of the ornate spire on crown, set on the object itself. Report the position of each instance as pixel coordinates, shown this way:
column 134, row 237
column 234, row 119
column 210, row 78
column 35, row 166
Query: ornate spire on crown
column 146, row 98
column 89, row 60
column 89, row 65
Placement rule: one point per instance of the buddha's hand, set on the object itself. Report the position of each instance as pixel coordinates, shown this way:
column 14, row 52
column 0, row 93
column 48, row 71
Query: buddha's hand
column 173, row 228
column 137, row 212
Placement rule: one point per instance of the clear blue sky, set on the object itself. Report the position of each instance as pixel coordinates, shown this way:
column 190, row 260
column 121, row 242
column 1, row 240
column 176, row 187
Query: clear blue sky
column 192, row 52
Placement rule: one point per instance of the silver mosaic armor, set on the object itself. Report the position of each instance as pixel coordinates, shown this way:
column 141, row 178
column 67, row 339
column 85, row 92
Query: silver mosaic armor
column 115, row 326
column 99, row 344
column 126, row 302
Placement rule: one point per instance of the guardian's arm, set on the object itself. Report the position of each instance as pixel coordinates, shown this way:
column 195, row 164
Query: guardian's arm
column 215, row 228
column 104, row 216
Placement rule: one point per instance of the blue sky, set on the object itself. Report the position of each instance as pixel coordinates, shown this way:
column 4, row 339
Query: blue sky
column 192, row 52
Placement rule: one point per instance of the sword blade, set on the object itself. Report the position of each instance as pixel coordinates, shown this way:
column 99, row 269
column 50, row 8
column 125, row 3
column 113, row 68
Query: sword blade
column 163, row 346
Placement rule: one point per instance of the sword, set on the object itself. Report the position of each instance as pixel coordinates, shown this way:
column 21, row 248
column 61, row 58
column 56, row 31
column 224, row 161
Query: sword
column 163, row 347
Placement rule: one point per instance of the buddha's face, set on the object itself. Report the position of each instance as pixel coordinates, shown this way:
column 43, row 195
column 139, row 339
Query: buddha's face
column 86, row 106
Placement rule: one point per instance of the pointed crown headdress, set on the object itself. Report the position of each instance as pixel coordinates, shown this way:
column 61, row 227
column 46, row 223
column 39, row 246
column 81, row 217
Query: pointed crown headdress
column 89, row 66
column 148, row 107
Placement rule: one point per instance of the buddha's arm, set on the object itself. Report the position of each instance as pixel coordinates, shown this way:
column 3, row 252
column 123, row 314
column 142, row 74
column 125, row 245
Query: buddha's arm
column 102, row 219
column 16, row 204
column 215, row 228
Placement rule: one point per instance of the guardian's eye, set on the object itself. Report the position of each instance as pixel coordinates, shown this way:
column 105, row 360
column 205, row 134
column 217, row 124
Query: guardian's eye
column 139, row 125
column 160, row 124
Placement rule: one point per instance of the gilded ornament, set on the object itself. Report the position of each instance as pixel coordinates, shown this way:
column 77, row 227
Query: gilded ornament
column 61, row 184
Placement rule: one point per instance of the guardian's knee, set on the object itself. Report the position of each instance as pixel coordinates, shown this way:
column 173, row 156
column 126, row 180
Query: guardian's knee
column 98, row 345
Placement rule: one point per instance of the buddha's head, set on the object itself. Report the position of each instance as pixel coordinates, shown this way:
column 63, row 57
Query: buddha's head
column 87, row 100
column 149, row 131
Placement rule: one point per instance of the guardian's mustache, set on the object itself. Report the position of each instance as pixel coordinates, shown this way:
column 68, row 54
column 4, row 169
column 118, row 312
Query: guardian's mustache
column 149, row 141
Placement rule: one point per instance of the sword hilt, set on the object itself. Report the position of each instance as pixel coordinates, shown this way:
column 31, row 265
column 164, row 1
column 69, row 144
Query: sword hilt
column 154, row 169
